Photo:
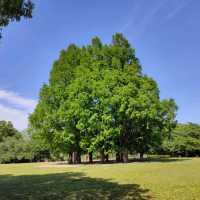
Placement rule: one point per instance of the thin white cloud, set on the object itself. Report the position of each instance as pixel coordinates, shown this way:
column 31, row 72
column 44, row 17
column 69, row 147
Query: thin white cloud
column 15, row 108
column 150, row 16
column 131, row 18
column 142, row 24
column 179, row 8
column 17, row 100
column 18, row 117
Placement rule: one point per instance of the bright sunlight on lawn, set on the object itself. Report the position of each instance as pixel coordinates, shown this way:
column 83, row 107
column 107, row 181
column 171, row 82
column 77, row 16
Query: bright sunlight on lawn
column 170, row 179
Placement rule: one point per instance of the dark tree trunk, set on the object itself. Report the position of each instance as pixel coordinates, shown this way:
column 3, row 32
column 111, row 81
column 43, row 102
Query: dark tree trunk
column 141, row 155
column 90, row 158
column 76, row 157
column 118, row 158
column 121, row 156
column 125, row 156
column 70, row 158
column 106, row 157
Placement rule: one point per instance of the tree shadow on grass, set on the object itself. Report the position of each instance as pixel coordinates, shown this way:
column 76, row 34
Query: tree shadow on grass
column 132, row 160
column 67, row 186
column 161, row 159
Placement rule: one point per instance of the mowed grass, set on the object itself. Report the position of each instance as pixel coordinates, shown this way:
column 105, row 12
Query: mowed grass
column 168, row 179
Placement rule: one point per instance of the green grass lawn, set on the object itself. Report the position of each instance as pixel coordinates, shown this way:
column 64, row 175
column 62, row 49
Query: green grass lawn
column 168, row 179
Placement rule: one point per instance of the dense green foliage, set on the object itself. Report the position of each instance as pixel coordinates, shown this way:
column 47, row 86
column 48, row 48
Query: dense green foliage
column 20, row 147
column 98, row 100
column 13, row 148
column 184, row 141
column 7, row 130
column 13, row 10
column 41, row 149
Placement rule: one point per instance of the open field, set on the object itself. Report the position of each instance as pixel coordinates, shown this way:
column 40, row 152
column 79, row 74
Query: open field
column 170, row 179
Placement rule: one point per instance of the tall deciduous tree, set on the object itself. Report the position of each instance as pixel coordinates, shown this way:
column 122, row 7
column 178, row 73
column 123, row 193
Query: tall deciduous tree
column 98, row 100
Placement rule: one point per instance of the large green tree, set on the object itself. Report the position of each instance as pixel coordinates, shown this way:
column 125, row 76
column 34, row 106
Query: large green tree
column 98, row 100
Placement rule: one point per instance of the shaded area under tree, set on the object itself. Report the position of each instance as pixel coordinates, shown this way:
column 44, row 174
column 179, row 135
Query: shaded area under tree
column 67, row 186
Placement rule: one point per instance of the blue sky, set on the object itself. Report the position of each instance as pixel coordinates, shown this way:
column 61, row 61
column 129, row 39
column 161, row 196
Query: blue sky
column 165, row 34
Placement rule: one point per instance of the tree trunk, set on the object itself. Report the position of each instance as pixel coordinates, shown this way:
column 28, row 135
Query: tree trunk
column 102, row 156
column 70, row 158
column 125, row 156
column 76, row 157
column 107, row 157
column 121, row 156
column 90, row 157
column 141, row 155
column 118, row 158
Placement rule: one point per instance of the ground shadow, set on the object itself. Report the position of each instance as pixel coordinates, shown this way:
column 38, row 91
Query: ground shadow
column 131, row 160
column 67, row 186
column 161, row 159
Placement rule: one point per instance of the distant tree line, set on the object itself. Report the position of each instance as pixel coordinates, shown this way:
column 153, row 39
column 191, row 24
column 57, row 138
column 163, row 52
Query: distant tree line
column 98, row 101
column 17, row 147
column 20, row 147
column 12, row 146
column 183, row 141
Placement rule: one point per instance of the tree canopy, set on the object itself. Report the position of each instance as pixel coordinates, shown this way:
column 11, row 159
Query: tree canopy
column 14, row 10
column 99, row 101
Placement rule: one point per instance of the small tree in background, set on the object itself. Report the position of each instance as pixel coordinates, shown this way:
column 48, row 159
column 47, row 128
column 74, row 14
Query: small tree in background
column 13, row 147
column 7, row 130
